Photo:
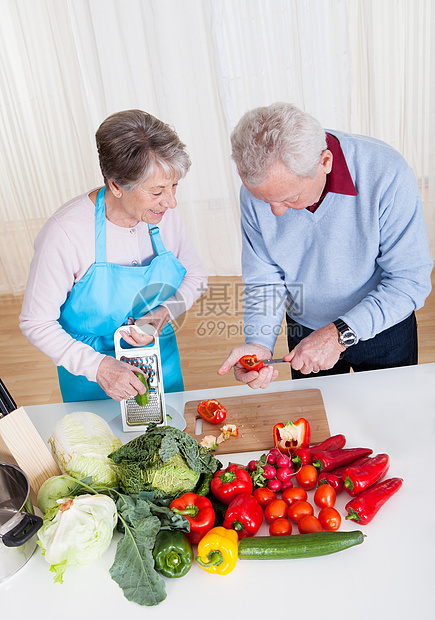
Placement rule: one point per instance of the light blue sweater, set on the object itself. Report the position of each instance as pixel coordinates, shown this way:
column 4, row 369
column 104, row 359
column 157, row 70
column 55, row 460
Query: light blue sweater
column 364, row 259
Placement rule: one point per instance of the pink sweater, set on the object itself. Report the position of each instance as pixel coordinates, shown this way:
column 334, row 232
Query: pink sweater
column 64, row 251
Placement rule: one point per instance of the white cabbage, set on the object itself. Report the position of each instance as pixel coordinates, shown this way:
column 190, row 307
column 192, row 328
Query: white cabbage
column 81, row 442
column 79, row 533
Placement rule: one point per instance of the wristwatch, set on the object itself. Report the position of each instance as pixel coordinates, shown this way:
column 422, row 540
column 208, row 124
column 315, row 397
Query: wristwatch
column 346, row 335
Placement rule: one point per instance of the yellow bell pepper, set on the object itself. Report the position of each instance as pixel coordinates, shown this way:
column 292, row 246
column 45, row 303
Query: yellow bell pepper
column 218, row 551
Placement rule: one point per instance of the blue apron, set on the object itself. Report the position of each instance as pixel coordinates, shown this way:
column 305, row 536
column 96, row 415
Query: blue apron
column 107, row 296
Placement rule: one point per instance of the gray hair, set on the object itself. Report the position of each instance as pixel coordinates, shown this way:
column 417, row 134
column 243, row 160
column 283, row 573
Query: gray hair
column 131, row 144
column 280, row 132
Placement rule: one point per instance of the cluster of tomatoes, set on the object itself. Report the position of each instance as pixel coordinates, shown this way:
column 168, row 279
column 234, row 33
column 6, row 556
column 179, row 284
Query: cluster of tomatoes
column 293, row 508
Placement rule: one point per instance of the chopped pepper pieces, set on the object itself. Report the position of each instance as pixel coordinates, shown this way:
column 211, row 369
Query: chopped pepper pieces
column 218, row 551
column 288, row 437
column 212, row 411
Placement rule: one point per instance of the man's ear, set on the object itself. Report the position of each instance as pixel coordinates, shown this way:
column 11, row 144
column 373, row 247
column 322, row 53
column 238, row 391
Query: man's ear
column 326, row 160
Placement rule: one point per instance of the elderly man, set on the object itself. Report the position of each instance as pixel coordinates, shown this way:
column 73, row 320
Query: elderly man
column 334, row 236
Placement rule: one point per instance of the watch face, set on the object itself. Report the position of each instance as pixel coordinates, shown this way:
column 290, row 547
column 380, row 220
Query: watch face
column 348, row 338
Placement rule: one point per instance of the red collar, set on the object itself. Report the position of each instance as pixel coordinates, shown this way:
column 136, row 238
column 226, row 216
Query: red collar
column 338, row 181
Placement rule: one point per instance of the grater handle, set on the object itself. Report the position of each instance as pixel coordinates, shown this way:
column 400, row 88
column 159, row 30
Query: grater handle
column 148, row 329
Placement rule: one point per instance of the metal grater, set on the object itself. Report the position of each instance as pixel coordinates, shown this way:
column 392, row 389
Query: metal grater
column 135, row 417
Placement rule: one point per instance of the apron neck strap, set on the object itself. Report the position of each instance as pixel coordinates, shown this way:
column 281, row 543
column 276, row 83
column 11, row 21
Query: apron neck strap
column 156, row 239
column 100, row 230
column 100, row 227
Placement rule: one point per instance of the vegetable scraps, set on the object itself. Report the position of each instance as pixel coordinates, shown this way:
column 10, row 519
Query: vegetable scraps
column 81, row 442
column 164, row 462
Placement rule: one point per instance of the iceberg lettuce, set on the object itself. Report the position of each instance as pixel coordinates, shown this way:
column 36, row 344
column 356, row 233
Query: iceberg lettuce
column 79, row 533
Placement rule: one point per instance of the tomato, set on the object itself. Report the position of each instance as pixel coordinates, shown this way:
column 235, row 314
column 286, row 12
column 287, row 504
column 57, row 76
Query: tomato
column 309, row 524
column 299, row 509
column 280, row 527
column 325, row 496
column 294, row 494
column 330, row 519
column 306, row 477
column 275, row 509
column 263, row 495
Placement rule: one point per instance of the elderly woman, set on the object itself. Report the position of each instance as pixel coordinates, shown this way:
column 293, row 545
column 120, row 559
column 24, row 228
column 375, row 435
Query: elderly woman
column 112, row 256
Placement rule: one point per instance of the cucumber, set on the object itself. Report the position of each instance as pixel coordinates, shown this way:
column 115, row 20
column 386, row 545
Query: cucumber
column 299, row 546
column 143, row 399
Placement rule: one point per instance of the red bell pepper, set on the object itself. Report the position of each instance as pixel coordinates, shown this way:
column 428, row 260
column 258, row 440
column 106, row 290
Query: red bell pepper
column 325, row 460
column 212, row 411
column 359, row 478
column 304, row 456
column 364, row 507
column 244, row 515
column 288, row 437
column 330, row 478
column 199, row 512
column 251, row 362
column 227, row 483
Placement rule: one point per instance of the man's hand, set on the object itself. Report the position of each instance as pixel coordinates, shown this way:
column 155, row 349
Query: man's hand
column 118, row 379
column 318, row 351
column 252, row 378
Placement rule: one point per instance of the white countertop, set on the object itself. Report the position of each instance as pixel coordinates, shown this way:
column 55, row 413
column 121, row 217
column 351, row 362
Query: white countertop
column 389, row 576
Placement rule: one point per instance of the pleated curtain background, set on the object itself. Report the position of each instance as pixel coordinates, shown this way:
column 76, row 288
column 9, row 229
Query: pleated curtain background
column 363, row 66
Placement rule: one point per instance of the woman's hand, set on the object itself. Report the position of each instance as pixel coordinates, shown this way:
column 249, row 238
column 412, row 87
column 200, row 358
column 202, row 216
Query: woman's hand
column 252, row 378
column 157, row 317
column 318, row 351
column 118, row 379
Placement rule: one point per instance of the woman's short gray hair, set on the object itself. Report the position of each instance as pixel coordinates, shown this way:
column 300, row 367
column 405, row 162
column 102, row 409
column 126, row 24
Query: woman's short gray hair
column 132, row 143
column 280, row 132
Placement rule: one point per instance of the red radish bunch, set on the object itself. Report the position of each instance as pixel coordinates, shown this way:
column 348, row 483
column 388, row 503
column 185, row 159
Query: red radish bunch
column 274, row 470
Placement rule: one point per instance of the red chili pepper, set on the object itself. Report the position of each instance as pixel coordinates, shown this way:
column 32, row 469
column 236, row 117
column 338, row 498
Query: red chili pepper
column 359, row 478
column 244, row 514
column 363, row 508
column 330, row 478
column 340, row 470
column 212, row 411
column 329, row 460
column 251, row 362
column 303, row 456
column 288, row 437
column 199, row 512
column 227, row 483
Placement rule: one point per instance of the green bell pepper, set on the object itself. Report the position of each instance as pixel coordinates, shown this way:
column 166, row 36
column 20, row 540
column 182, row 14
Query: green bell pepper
column 173, row 555
column 143, row 399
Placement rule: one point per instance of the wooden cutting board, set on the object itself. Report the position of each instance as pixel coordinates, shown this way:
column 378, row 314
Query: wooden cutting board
column 255, row 416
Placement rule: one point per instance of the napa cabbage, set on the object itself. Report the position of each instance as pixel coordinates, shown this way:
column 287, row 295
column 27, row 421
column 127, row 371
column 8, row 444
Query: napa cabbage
column 81, row 442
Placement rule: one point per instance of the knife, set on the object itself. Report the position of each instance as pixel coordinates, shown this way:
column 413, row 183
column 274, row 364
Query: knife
column 275, row 361
column 7, row 403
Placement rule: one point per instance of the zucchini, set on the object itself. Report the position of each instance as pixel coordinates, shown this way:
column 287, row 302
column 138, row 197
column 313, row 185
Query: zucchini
column 299, row 546
column 143, row 399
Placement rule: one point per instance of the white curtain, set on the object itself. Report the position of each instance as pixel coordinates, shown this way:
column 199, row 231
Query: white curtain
column 364, row 66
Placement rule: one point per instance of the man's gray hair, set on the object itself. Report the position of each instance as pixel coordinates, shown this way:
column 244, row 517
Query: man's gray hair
column 131, row 144
column 280, row 132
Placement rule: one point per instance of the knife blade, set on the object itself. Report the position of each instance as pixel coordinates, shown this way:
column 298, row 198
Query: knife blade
column 279, row 360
